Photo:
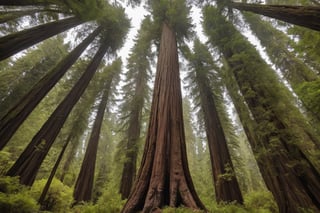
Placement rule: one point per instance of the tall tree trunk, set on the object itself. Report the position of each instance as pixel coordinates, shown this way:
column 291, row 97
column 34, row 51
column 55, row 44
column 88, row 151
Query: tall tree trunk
column 306, row 16
column 9, row 16
column 293, row 179
column 52, row 174
column 84, row 184
column 10, row 123
column 226, row 185
column 15, row 42
column 30, row 160
column 24, row 2
column 133, row 135
column 164, row 178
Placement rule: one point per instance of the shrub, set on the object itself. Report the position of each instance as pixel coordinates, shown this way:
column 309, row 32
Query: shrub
column 59, row 197
column 260, row 201
column 15, row 198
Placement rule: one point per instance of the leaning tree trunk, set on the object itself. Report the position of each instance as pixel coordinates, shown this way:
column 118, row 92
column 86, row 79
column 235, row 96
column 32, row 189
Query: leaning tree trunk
column 30, row 160
column 292, row 178
column 9, row 16
column 15, row 42
column 84, row 184
column 10, row 123
column 226, row 185
column 164, row 178
column 52, row 174
column 306, row 16
column 24, row 2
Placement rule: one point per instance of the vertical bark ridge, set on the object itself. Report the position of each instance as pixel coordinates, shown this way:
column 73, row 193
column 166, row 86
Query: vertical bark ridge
column 163, row 178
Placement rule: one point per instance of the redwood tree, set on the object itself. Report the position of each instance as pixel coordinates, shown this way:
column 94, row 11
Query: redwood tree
column 12, row 120
column 283, row 141
column 306, row 16
column 84, row 184
column 226, row 185
column 164, row 178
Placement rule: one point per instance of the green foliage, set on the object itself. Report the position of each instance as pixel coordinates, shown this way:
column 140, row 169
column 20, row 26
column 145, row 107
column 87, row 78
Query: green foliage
column 175, row 13
column 260, row 202
column 59, row 197
column 5, row 161
column 14, row 197
column 310, row 95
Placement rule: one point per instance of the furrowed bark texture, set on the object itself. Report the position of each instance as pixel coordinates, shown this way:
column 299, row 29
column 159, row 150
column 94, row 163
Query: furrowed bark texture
column 226, row 185
column 15, row 42
column 288, row 173
column 84, row 184
column 10, row 123
column 306, row 16
column 31, row 158
column 164, row 178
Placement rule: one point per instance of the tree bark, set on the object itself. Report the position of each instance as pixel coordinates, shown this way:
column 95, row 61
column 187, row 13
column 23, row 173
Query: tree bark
column 53, row 172
column 291, row 177
column 164, row 178
column 30, row 160
column 84, row 184
column 15, row 42
column 10, row 123
column 226, row 185
column 306, row 16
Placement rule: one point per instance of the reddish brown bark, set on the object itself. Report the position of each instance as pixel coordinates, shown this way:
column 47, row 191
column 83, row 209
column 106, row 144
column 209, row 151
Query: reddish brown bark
column 15, row 42
column 226, row 185
column 30, row 160
column 10, row 123
column 164, row 178
column 306, row 16
column 84, row 183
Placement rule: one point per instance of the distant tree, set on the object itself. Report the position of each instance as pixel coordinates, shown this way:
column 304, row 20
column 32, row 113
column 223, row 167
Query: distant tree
column 201, row 64
column 84, row 184
column 136, row 93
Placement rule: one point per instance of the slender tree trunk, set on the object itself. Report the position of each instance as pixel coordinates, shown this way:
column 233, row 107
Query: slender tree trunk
column 164, row 178
column 15, row 42
column 10, row 123
column 292, row 178
column 306, row 16
column 30, row 160
column 226, row 185
column 133, row 135
column 84, row 185
column 53, row 172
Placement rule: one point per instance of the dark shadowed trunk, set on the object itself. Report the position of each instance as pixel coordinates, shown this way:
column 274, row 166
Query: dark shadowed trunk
column 30, row 160
column 306, row 16
column 84, row 184
column 10, row 123
column 23, row 2
column 164, row 178
column 226, row 185
column 53, row 172
column 15, row 42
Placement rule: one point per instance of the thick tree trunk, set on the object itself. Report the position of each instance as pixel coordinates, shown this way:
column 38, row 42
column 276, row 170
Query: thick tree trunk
column 52, row 174
column 164, row 178
column 10, row 123
column 291, row 177
column 226, row 185
column 84, row 184
column 15, row 42
column 306, row 16
column 30, row 160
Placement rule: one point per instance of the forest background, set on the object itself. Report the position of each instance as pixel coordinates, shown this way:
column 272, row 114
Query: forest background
column 87, row 125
